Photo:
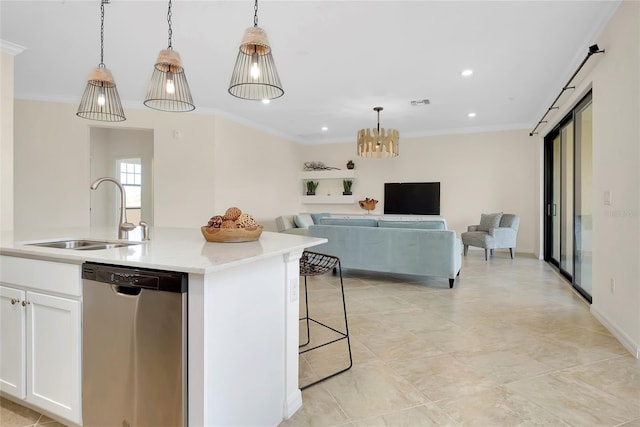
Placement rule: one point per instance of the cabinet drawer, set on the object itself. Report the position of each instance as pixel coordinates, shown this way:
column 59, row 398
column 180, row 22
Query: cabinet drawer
column 54, row 277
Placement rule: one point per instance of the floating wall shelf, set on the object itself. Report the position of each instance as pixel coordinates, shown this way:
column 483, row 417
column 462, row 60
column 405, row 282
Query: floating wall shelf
column 337, row 175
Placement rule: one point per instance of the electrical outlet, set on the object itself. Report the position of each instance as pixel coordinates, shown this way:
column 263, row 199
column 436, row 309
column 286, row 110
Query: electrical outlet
column 612, row 284
column 295, row 286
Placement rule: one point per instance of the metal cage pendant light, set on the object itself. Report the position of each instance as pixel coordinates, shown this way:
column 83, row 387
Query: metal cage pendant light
column 255, row 76
column 378, row 143
column 100, row 100
column 168, row 89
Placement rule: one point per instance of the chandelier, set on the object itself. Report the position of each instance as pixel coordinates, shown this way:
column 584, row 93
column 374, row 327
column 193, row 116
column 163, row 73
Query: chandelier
column 378, row 143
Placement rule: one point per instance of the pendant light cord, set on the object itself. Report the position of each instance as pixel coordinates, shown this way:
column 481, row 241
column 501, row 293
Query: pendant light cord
column 169, row 21
column 102, row 34
column 255, row 14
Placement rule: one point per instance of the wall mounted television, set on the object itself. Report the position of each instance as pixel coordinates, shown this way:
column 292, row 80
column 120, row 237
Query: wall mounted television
column 412, row 198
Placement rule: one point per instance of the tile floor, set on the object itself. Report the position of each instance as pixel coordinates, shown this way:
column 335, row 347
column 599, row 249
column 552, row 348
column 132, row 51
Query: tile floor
column 13, row 415
column 510, row 344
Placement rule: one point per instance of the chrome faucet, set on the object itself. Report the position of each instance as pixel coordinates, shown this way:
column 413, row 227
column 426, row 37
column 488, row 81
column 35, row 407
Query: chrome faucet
column 124, row 226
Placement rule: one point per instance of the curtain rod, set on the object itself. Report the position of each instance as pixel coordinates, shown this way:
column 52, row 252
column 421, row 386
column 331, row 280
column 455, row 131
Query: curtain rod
column 593, row 49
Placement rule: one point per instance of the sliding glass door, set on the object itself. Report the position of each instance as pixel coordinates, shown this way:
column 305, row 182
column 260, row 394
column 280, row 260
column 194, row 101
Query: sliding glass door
column 568, row 200
column 583, row 198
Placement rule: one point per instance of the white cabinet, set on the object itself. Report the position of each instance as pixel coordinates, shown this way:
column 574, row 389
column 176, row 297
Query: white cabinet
column 41, row 337
column 331, row 182
column 54, row 354
column 13, row 342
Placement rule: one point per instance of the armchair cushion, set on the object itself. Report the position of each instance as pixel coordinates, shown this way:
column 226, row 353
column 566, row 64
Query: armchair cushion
column 489, row 221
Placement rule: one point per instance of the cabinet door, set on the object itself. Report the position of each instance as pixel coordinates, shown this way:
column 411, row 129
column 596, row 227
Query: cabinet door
column 54, row 354
column 12, row 346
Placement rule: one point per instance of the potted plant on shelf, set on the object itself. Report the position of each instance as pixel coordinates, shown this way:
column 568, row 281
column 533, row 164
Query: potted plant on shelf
column 346, row 184
column 311, row 187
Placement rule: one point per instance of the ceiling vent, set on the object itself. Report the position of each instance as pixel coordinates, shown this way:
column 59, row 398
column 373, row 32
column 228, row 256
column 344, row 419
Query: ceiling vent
column 420, row 102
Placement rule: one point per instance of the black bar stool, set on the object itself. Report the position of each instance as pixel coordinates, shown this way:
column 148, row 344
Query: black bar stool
column 314, row 264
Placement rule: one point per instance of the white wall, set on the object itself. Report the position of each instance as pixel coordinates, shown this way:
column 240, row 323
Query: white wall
column 614, row 77
column 478, row 173
column 202, row 166
column 255, row 172
column 6, row 141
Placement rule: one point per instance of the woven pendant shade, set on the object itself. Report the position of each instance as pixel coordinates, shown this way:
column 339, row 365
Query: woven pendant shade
column 168, row 89
column 255, row 76
column 378, row 143
column 100, row 100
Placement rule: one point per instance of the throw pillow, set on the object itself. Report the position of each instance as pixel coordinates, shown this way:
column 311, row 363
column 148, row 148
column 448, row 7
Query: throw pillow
column 303, row 220
column 489, row 221
column 316, row 217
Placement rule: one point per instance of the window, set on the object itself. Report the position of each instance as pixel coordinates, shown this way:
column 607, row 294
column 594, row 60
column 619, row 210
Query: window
column 131, row 179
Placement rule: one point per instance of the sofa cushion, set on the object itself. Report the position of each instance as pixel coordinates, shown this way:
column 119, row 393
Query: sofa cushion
column 365, row 222
column 316, row 217
column 285, row 222
column 489, row 221
column 303, row 220
column 428, row 225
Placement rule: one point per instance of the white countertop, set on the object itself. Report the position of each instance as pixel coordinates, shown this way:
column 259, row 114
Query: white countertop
column 174, row 249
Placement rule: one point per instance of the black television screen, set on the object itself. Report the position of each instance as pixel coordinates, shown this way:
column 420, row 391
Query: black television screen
column 412, row 198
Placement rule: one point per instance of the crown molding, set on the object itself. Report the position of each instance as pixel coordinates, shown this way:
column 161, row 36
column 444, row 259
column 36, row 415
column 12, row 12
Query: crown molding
column 11, row 48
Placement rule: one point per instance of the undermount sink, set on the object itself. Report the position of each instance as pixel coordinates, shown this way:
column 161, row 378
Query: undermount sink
column 84, row 245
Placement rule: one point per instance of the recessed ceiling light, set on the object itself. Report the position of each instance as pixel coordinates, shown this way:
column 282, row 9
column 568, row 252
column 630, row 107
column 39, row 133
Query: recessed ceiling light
column 471, row 115
column 324, row 128
column 466, row 73
column 266, row 101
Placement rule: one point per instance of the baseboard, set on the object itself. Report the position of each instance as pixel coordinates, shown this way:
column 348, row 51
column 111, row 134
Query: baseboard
column 293, row 403
column 625, row 340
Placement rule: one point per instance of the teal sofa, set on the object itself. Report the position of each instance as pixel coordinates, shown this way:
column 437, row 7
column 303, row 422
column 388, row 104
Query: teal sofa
column 422, row 248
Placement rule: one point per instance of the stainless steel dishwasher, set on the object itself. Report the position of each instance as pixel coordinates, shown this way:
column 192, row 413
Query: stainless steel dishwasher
column 134, row 353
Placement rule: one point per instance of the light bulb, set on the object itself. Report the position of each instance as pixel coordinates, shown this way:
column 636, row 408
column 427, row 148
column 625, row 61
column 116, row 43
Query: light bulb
column 101, row 97
column 255, row 70
column 171, row 87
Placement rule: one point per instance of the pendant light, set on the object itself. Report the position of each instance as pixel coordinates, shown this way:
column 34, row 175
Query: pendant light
column 255, row 76
column 378, row 142
column 168, row 89
column 100, row 100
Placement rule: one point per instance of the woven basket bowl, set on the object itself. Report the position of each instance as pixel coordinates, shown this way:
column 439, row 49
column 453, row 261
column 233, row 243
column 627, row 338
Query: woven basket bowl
column 231, row 235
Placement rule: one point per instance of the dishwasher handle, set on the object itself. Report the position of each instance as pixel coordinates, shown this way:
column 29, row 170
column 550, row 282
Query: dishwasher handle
column 126, row 290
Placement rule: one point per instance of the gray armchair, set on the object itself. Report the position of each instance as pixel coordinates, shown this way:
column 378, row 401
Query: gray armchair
column 495, row 231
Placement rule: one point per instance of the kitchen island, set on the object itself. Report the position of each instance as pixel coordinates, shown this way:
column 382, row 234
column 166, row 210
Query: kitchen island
column 242, row 315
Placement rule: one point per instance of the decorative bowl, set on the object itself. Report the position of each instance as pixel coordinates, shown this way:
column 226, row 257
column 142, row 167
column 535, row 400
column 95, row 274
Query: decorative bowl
column 231, row 235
